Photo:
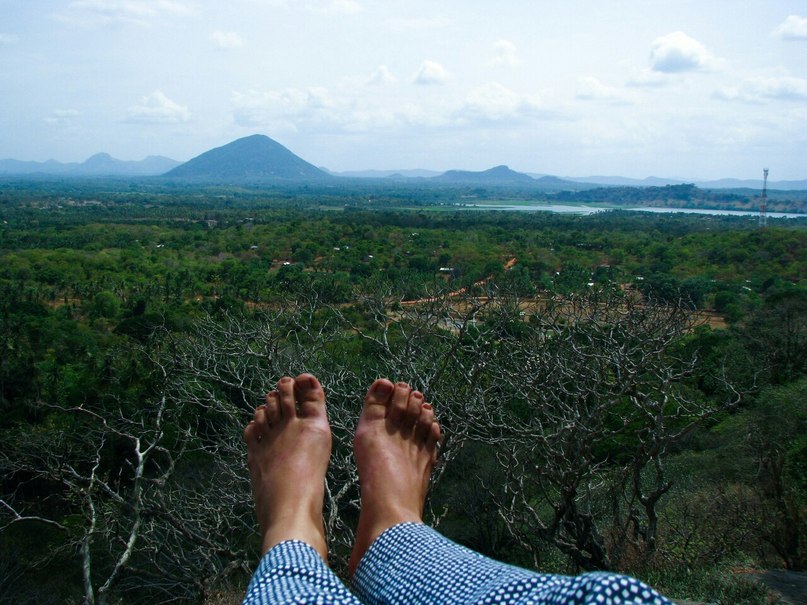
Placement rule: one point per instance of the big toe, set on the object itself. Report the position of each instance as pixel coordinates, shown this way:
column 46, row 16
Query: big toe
column 378, row 399
column 310, row 396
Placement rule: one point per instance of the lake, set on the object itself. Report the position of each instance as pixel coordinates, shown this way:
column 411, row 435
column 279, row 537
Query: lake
column 564, row 209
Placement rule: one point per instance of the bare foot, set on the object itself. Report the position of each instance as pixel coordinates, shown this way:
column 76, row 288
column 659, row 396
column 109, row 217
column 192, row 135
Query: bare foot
column 395, row 448
column 288, row 447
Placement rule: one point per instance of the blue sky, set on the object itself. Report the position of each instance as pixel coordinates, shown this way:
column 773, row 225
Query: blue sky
column 685, row 89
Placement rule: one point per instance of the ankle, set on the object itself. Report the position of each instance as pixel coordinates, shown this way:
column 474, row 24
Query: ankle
column 310, row 534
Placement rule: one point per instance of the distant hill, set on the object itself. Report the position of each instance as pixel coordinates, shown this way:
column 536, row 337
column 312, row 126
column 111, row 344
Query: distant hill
column 258, row 158
column 499, row 175
column 382, row 174
column 101, row 164
column 621, row 181
column 652, row 181
column 553, row 183
column 253, row 158
column 753, row 184
column 505, row 177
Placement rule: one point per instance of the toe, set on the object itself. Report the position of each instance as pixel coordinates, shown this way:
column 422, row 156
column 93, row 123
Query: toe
column 260, row 419
column 310, row 395
column 249, row 432
column 377, row 400
column 258, row 427
column 287, row 403
column 413, row 408
column 435, row 440
column 424, row 423
column 399, row 403
column 272, row 407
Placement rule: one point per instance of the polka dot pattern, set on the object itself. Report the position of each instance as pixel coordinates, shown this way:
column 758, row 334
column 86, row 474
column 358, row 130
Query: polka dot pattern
column 293, row 573
column 411, row 564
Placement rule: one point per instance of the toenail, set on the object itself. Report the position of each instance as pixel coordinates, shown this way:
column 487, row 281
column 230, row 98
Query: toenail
column 427, row 406
column 417, row 395
column 285, row 379
column 382, row 388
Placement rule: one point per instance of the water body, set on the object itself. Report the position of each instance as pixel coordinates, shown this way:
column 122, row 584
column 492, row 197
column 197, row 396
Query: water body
column 723, row 212
column 563, row 209
column 559, row 208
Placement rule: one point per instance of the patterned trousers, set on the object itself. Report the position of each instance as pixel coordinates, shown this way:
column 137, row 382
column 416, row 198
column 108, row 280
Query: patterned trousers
column 412, row 564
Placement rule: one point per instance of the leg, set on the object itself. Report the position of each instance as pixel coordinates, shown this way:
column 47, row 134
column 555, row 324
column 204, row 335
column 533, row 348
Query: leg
column 411, row 563
column 288, row 447
column 398, row 560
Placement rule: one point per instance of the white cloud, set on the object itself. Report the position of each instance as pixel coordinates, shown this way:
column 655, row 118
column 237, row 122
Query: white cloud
column 283, row 109
column 591, row 89
column 318, row 110
column 273, row 3
column 382, row 77
column 325, row 7
column 62, row 117
column 420, row 24
column 346, row 7
column 156, row 108
column 758, row 90
column 227, row 40
column 8, row 39
column 506, row 53
column 792, row 28
column 494, row 102
column 107, row 12
column 357, row 110
column 677, row 52
column 430, row 72
column 339, row 7
column 647, row 78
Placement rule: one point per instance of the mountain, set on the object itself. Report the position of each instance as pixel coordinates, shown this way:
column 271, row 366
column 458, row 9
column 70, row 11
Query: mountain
column 504, row 176
column 652, row 181
column 554, row 184
column 621, row 181
column 101, row 164
column 253, row 158
column 383, row 174
column 499, row 175
column 753, row 184
column 104, row 164
column 258, row 158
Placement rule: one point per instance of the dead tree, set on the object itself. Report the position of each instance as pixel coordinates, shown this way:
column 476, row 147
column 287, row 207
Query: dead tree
column 228, row 363
column 126, row 501
column 581, row 398
column 604, row 378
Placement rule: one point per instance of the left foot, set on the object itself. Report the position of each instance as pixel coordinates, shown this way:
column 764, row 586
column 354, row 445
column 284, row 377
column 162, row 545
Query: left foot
column 288, row 448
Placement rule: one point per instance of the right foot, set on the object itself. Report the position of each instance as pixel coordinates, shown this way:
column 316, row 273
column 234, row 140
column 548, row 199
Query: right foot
column 288, row 447
column 395, row 448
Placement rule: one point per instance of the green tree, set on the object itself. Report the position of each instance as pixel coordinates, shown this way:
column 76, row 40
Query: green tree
column 779, row 442
column 776, row 335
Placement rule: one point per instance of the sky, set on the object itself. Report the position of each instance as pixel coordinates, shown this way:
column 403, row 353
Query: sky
column 677, row 89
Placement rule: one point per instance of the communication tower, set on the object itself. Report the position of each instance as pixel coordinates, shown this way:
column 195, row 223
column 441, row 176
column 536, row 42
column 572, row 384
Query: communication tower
column 763, row 202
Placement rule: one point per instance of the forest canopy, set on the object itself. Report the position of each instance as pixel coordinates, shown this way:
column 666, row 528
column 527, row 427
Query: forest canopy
column 612, row 386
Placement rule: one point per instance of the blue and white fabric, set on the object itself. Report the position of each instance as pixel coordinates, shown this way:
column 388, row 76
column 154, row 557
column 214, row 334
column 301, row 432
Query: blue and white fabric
column 412, row 564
